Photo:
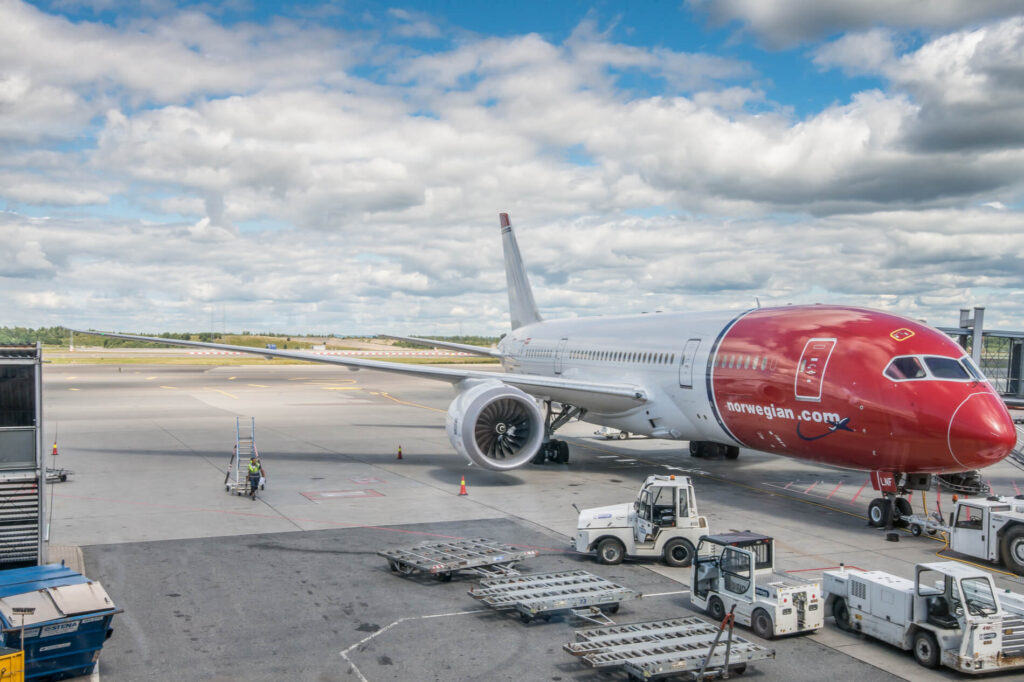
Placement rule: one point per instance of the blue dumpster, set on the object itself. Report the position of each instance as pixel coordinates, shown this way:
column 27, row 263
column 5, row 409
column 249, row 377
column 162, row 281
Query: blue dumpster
column 65, row 618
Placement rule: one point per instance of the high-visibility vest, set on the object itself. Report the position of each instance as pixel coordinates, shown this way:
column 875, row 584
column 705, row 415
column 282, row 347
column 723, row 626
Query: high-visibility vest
column 254, row 468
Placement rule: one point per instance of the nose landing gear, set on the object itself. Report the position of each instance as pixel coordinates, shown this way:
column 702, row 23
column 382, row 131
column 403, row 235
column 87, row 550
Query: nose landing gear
column 891, row 510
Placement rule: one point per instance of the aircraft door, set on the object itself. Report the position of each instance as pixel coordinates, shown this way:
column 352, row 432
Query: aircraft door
column 810, row 372
column 686, row 364
column 559, row 351
column 737, row 567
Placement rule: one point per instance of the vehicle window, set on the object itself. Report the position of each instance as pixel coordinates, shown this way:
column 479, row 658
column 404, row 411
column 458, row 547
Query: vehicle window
column 664, row 506
column 968, row 517
column 978, row 596
column 645, row 505
column 735, row 567
column 929, row 583
column 684, row 511
column 904, row 368
column 946, row 368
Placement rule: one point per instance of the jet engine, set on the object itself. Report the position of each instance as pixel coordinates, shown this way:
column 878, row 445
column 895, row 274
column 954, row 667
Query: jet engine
column 495, row 425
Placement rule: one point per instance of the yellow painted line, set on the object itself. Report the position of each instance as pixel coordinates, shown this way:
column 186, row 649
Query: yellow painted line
column 296, row 379
column 341, row 388
column 150, row 378
column 217, row 390
column 259, row 386
column 71, row 378
column 170, row 388
column 231, row 378
column 404, row 402
column 74, row 389
column 332, row 381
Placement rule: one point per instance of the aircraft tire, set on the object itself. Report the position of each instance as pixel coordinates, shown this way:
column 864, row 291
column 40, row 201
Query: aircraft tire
column 732, row 451
column 903, row 510
column 878, row 512
column 562, row 452
column 1012, row 549
column 695, row 449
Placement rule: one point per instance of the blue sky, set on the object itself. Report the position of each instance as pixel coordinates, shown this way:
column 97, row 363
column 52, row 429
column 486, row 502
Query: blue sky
column 339, row 166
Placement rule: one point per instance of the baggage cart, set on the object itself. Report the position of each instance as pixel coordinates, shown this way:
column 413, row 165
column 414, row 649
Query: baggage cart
column 544, row 595
column 478, row 556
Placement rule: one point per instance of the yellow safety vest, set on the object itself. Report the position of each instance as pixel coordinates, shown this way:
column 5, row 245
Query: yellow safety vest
column 254, row 468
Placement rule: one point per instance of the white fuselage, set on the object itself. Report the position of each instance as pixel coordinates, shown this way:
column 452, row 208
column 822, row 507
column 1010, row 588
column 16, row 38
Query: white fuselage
column 665, row 353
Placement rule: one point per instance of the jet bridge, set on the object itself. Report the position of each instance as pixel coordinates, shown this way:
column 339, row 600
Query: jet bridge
column 22, row 467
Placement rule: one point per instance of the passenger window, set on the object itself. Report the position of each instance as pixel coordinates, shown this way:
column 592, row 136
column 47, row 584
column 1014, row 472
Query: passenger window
column 946, row 368
column 905, row 368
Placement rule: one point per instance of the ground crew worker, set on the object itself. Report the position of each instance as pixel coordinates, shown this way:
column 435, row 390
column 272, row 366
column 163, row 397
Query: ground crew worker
column 255, row 473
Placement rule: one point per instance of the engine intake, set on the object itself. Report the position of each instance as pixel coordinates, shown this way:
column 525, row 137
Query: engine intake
column 495, row 425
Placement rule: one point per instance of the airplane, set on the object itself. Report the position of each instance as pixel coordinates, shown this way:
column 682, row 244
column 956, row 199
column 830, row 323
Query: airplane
column 845, row 386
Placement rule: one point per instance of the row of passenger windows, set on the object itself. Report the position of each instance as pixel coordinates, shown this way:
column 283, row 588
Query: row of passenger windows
column 622, row 356
column 603, row 355
column 758, row 362
column 921, row 367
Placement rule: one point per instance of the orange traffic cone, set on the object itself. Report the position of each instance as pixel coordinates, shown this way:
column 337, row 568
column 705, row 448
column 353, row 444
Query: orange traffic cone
column 54, row 448
column 399, row 452
column 462, row 489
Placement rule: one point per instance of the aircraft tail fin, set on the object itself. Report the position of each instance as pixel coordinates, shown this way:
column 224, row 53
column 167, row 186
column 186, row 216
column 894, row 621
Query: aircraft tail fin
column 521, row 306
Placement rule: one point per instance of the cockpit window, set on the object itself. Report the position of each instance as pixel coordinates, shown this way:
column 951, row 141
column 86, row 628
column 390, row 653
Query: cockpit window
column 905, row 368
column 946, row 368
column 972, row 368
column 933, row 367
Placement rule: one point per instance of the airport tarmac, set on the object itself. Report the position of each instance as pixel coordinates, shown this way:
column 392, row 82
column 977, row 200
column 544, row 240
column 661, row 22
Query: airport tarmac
column 219, row 587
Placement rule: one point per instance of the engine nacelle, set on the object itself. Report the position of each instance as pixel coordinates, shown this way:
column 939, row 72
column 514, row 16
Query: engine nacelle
column 495, row 425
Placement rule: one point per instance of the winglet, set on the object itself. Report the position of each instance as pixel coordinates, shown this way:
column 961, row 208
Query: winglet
column 521, row 306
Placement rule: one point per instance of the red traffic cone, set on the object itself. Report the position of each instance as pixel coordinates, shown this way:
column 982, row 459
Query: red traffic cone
column 54, row 448
column 399, row 452
column 462, row 489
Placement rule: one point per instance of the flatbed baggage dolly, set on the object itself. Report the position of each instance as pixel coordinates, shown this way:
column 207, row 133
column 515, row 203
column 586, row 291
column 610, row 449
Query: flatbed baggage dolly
column 479, row 556
column 543, row 595
column 687, row 648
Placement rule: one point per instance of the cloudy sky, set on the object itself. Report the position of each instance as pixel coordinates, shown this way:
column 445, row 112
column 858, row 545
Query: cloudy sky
column 339, row 166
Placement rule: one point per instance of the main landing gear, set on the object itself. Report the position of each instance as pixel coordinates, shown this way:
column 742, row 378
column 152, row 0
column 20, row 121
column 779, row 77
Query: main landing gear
column 556, row 450
column 708, row 450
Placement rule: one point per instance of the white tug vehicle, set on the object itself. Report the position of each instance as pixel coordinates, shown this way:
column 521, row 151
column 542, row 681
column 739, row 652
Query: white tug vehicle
column 738, row 570
column 950, row 615
column 662, row 522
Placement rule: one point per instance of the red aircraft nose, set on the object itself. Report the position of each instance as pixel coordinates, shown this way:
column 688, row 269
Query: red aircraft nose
column 981, row 431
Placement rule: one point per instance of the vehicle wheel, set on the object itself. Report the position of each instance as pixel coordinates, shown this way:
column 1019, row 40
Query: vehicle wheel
column 622, row 435
column 738, row 669
column 915, row 530
column 878, row 512
column 732, row 451
column 393, row 566
column 445, row 577
column 716, row 609
column 695, row 450
column 761, row 624
column 1012, row 549
column 842, row 615
column 526, row 618
column 227, row 488
column 926, row 649
column 611, row 608
column 610, row 551
column 63, row 478
column 903, row 510
column 678, row 552
column 404, row 568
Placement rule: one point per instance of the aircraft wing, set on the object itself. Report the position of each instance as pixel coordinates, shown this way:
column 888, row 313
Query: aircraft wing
column 600, row 397
column 464, row 347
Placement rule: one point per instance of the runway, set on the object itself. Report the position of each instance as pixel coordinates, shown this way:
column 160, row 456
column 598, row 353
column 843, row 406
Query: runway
column 289, row 586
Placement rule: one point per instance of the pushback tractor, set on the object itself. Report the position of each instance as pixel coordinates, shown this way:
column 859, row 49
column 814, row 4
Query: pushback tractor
column 738, row 570
column 950, row 615
column 661, row 523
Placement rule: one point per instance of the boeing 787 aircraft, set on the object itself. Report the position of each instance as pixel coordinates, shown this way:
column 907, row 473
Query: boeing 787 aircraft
column 850, row 387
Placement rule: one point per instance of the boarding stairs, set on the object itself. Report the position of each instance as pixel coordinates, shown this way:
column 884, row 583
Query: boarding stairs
column 236, row 479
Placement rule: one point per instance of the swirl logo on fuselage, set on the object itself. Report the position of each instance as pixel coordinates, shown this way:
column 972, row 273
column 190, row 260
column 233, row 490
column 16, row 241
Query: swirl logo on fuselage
column 841, row 425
